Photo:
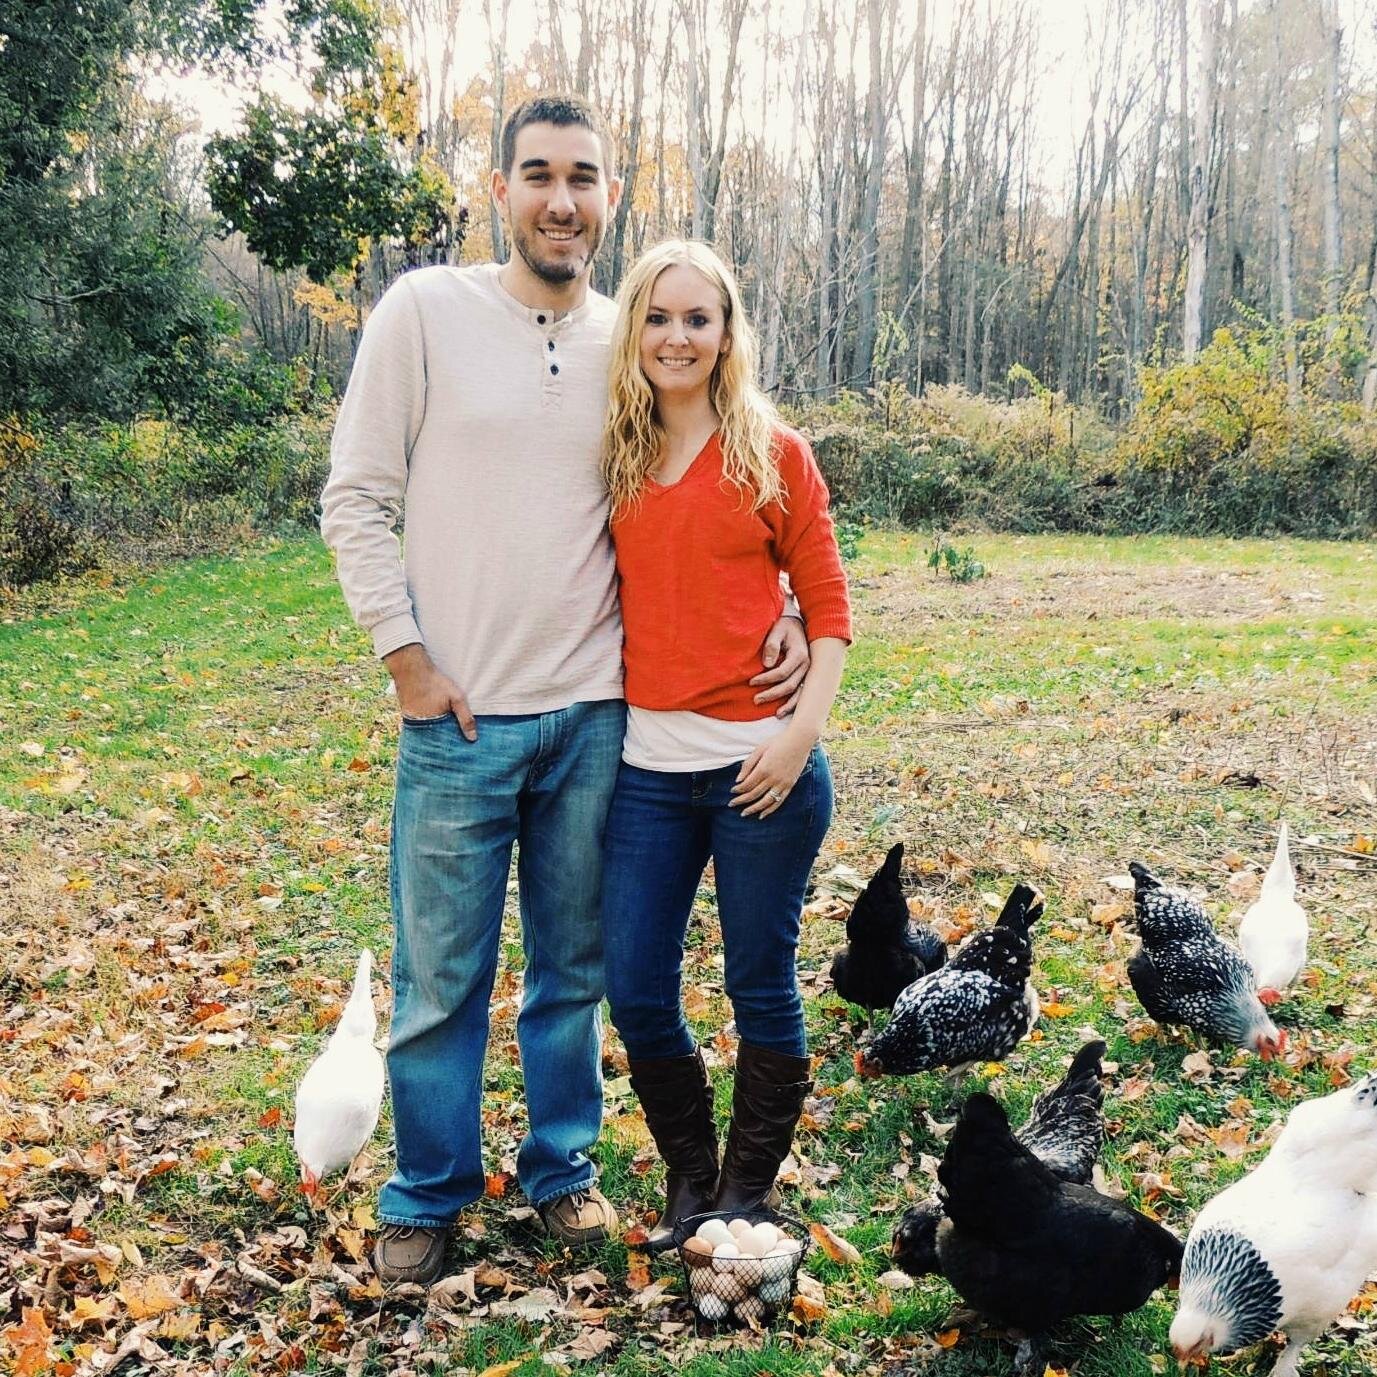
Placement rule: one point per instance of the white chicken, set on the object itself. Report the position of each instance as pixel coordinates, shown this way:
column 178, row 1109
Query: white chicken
column 340, row 1096
column 1274, row 932
column 1291, row 1244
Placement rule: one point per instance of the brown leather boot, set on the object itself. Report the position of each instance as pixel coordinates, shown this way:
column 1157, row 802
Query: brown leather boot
column 677, row 1098
column 766, row 1103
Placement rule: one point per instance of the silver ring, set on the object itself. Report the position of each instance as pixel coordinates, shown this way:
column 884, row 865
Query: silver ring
column 775, row 794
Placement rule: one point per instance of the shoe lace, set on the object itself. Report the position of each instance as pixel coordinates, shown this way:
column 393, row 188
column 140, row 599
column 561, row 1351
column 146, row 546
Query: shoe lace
column 401, row 1232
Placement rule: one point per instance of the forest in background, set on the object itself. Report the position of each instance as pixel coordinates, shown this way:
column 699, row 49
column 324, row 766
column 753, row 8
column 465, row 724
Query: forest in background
column 1169, row 322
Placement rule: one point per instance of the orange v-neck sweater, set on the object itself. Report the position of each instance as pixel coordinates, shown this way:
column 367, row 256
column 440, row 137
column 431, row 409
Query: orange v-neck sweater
column 700, row 581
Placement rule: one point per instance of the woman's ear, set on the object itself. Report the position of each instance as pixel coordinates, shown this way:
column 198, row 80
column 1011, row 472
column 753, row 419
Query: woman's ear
column 726, row 345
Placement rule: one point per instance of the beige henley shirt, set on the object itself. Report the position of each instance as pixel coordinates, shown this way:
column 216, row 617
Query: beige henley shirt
column 483, row 418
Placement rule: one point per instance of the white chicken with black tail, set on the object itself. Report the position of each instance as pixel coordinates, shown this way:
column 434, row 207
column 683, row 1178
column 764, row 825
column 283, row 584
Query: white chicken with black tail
column 1187, row 975
column 1292, row 1243
column 340, row 1096
column 1274, row 933
column 975, row 1008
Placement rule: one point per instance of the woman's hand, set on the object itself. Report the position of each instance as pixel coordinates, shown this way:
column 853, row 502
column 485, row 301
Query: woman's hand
column 770, row 772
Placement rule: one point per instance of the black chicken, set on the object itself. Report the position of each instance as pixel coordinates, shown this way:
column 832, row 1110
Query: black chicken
column 1065, row 1131
column 1185, row 974
column 975, row 1008
column 1029, row 1250
column 885, row 950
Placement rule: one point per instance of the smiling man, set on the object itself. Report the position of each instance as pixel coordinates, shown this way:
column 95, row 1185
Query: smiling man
column 476, row 402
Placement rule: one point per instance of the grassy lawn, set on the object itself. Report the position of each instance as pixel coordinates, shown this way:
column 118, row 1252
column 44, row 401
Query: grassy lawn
column 195, row 778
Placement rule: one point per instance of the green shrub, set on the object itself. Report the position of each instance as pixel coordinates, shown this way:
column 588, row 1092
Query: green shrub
column 74, row 495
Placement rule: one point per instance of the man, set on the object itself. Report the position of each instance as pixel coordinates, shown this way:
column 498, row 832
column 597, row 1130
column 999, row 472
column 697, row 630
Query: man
column 477, row 398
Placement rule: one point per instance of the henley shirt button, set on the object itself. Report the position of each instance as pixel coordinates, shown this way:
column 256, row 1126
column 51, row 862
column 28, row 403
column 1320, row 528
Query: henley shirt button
column 540, row 320
column 550, row 344
column 554, row 368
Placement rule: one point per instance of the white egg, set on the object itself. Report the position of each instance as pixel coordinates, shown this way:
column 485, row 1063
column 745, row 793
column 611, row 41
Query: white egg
column 778, row 1264
column 712, row 1308
column 714, row 1231
column 702, row 1283
column 752, row 1308
column 767, row 1236
column 750, row 1245
column 724, row 1255
column 775, row 1292
column 738, row 1227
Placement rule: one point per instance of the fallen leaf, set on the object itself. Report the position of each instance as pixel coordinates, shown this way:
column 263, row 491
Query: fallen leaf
column 92, row 1310
column 148, row 1297
column 897, row 1281
column 807, row 1310
column 502, row 1369
column 30, row 1340
column 947, row 1338
column 836, row 1247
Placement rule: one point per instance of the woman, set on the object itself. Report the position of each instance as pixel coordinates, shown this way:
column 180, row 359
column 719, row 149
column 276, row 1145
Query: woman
column 712, row 499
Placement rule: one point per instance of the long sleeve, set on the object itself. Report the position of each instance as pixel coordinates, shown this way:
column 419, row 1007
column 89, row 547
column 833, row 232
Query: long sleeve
column 377, row 426
column 806, row 542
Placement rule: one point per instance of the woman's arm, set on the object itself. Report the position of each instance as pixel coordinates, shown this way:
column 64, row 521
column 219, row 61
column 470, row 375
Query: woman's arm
column 771, row 770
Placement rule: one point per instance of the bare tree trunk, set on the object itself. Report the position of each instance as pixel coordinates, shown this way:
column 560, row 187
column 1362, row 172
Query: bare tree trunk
column 639, row 38
column 1198, row 228
column 1282, row 165
column 497, row 51
column 1333, row 108
column 877, row 14
column 1370, row 305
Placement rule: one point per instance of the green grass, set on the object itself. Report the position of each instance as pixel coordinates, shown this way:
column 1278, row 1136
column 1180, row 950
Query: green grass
column 205, row 825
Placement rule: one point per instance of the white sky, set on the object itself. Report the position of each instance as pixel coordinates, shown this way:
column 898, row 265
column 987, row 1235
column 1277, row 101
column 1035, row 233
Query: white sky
column 1063, row 94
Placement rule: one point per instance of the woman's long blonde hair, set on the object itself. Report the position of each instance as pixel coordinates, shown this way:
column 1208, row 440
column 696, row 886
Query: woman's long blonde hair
column 633, row 439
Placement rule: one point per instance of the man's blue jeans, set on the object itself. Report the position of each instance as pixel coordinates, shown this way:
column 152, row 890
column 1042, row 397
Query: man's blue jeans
column 544, row 781
column 661, row 830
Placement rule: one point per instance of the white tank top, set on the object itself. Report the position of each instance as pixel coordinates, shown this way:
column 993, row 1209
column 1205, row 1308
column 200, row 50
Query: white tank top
column 681, row 741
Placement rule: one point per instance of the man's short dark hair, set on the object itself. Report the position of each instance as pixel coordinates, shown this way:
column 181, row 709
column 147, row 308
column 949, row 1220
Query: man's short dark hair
column 557, row 110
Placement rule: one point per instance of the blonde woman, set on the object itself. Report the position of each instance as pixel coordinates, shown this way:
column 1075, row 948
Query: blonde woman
column 712, row 499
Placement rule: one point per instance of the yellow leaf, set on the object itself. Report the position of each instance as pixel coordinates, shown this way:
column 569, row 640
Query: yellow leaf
column 502, row 1369
column 151, row 1296
column 1057, row 1010
column 90, row 1310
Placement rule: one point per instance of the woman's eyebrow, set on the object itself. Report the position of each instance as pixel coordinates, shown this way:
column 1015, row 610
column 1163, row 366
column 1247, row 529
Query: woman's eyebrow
column 687, row 311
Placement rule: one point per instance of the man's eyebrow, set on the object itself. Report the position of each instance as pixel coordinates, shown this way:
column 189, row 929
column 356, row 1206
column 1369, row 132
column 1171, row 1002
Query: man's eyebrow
column 528, row 164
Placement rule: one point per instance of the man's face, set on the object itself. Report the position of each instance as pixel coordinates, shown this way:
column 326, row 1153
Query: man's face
column 556, row 200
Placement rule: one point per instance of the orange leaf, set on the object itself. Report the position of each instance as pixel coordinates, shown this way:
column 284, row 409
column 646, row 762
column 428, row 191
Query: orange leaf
column 636, row 1237
column 502, row 1369
column 947, row 1338
column 1056, row 1010
column 30, row 1342
column 195, row 1048
column 836, row 1247
column 495, row 1184
column 807, row 1310
column 270, row 1118
column 359, row 766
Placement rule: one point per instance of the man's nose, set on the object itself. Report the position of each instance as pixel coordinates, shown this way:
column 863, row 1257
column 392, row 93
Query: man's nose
column 561, row 202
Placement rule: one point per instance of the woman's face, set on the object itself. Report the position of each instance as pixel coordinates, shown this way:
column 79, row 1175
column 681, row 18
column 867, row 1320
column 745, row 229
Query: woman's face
column 684, row 334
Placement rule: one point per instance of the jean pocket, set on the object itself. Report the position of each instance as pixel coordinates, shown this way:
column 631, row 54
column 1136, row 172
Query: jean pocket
column 426, row 721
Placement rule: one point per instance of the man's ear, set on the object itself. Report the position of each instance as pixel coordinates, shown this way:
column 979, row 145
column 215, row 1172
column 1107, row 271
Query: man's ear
column 614, row 194
column 497, row 189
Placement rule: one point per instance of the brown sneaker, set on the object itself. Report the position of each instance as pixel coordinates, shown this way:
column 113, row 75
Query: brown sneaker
column 409, row 1252
column 585, row 1216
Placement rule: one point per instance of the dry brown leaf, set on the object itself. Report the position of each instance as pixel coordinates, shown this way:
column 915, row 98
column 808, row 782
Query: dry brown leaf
column 807, row 1310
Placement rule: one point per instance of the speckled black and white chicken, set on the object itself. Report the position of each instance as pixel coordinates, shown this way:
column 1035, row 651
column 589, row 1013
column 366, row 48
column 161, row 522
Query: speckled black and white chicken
column 1289, row 1245
column 1065, row 1131
column 1187, row 975
column 976, row 1008
column 1029, row 1250
column 886, row 951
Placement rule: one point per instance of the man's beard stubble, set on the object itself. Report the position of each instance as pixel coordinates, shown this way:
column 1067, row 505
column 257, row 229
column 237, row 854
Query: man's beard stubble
column 556, row 274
